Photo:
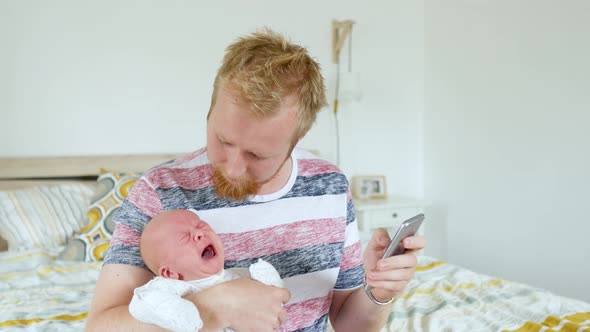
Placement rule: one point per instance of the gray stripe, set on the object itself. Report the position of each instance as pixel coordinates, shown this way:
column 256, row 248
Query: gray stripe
column 205, row 198
column 318, row 185
column 350, row 278
column 320, row 324
column 350, row 214
column 199, row 199
column 129, row 215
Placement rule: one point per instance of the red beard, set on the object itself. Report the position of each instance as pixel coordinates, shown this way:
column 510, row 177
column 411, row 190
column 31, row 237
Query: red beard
column 238, row 190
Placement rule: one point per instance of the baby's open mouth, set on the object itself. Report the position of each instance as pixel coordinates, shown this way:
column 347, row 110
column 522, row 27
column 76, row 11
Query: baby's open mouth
column 209, row 252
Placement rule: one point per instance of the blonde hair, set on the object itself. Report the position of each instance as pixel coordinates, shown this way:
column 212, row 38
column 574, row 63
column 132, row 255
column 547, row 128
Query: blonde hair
column 263, row 68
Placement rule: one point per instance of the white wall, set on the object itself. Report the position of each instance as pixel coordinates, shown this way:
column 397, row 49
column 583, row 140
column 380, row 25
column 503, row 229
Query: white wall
column 135, row 76
column 506, row 140
column 500, row 139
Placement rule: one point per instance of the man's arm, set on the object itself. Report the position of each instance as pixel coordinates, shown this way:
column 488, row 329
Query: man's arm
column 242, row 304
column 353, row 310
column 109, row 310
column 230, row 303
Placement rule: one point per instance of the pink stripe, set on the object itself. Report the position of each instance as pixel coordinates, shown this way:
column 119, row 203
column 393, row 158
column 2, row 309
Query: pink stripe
column 148, row 201
column 188, row 178
column 352, row 256
column 125, row 235
column 305, row 313
column 281, row 238
column 308, row 167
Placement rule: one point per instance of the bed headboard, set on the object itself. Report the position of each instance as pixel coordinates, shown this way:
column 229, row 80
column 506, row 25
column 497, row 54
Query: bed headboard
column 20, row 172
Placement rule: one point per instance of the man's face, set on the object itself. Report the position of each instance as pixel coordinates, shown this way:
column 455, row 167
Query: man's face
column 246, row 150
column 197, row 249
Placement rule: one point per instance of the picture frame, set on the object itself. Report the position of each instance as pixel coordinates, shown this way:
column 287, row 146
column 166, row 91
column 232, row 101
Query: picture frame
column 369, row 186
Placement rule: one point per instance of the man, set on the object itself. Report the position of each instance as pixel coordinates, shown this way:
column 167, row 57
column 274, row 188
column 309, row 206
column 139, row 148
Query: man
column 266, row 199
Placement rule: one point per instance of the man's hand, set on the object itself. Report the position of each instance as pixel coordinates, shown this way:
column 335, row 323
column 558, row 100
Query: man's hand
column 389, row 277
column 242, row 304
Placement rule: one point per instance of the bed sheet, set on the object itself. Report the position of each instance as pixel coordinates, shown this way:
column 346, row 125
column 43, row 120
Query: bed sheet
column 447, row 297
column 39, row 293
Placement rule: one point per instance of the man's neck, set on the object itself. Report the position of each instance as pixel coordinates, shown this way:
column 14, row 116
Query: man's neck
column 279, row 180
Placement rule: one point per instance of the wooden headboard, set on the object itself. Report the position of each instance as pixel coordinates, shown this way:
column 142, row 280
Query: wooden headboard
column 20, row 172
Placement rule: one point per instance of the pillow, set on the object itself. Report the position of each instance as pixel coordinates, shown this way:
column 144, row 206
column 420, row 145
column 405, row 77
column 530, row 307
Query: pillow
column 42, row 216
column 92, row 242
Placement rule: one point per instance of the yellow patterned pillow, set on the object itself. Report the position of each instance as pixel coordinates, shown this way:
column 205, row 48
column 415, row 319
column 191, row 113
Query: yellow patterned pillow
column 93, row 240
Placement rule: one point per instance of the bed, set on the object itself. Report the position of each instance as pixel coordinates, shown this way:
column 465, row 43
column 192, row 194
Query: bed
column 47, row 274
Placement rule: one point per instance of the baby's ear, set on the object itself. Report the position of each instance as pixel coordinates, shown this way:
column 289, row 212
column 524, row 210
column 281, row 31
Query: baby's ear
column 165, row 272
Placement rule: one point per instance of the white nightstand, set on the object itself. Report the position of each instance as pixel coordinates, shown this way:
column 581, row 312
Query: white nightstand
column 387, row 212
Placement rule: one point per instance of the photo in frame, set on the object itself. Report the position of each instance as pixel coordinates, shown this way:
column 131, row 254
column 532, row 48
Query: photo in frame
column 369, row 186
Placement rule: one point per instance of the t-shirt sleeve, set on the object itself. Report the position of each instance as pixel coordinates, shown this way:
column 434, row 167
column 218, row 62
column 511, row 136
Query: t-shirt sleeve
column 137, row 209
column 351, row 273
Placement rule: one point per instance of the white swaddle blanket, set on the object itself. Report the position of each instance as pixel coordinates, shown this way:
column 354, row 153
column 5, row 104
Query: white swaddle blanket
column 161, row 301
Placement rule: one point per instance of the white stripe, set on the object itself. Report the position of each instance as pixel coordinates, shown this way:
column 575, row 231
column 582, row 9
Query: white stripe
column 352, row 234
column 280, row 212
column 284, row 190
column 309, row 286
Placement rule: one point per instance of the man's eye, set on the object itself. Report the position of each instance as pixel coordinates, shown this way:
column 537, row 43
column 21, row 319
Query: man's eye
column 255, row 156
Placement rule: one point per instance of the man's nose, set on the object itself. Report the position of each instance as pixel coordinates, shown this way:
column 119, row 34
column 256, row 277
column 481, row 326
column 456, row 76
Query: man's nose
column 236, row 165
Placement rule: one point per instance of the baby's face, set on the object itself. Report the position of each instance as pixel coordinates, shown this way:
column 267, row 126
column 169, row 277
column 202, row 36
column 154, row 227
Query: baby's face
column 196, row 248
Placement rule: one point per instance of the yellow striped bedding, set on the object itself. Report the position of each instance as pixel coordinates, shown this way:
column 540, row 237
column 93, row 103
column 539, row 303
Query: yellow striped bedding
column 40, row 293
column 446, row 297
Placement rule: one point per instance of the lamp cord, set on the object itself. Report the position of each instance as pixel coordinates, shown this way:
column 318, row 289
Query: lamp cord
column 350, row 51
column 336, row 112
column 337, row 93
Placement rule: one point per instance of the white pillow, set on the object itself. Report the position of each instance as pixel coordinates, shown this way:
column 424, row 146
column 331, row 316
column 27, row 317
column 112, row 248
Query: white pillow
column 44, row 216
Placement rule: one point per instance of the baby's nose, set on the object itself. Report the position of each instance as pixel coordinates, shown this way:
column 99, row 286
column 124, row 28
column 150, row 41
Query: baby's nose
column 198, row 236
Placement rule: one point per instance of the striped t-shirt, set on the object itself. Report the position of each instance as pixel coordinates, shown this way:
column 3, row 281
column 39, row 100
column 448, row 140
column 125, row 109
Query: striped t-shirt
column 307, row 230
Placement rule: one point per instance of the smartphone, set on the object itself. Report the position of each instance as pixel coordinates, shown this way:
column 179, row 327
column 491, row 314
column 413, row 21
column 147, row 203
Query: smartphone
column 406, row 229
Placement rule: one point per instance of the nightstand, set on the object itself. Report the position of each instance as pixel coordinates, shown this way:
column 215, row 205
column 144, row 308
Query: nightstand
column 388, row 213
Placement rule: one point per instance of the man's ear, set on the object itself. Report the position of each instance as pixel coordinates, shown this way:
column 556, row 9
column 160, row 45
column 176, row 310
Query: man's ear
column 165, row 272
